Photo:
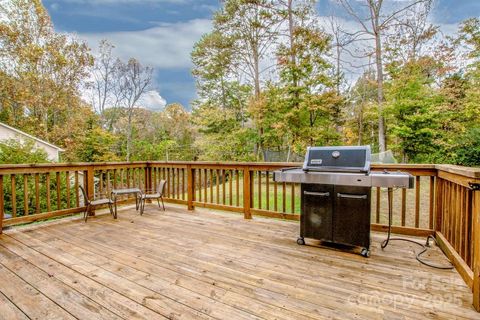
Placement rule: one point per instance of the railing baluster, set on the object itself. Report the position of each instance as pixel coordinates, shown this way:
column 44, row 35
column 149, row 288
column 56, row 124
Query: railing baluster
column 211, row 185
column 230, row 187
column 168, row 181
column 183, row 183
column 237, row 188
column 247, row 193
column 47, row 185
column 67, row 184
column 59, row 203
column 190, row 187
column 259, row 195
column 37, row 193
column 267, row 194
column 77, row 197
column 205, row 189
column 284, row 197
column 292, row 201
column 468, row 228
column 25, row 195
column 223, row 187
column 217, row 186
column 178, row 183
column 404, row 207
column 432, row 202
column 114, row 178
column 200, row 190
column 378, row 195
column 100, row 182
column 275, row 196
column 417, row 201
column 14, row 195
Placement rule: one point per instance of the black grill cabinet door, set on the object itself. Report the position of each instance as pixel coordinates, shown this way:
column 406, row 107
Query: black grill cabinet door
column 317, row 211
column 351, row 220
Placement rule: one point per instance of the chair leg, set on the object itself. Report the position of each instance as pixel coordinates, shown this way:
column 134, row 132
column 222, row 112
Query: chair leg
column 85, row 214
column 158, row 201
column 111, row 208
column 163, row 205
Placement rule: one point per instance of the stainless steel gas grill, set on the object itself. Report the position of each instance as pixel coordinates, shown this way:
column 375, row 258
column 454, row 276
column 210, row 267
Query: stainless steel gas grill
column 336, row 187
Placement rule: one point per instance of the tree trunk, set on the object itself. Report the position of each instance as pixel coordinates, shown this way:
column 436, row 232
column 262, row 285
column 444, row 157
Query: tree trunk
column 129, row 134
column 381, row 121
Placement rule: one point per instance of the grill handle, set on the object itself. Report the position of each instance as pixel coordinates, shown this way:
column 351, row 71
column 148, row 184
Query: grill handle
column 352, row 196
column 320, row 194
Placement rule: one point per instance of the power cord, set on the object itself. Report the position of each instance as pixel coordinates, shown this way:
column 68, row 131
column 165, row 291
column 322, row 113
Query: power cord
column 424, row 246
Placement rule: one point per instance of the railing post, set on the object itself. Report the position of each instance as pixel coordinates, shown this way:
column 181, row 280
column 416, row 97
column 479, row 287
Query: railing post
column 190, row 187
column 2, row 208
column 90, row 188
column 476, row 249
column 247, row 193
column 148, row 178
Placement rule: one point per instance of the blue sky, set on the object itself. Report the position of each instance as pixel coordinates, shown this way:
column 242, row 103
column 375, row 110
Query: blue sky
column 161, row 33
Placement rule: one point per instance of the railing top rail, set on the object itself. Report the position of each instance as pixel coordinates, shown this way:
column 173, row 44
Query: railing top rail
column 460, row 170
column 21, row 168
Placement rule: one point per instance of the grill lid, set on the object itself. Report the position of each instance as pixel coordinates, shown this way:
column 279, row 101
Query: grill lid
column 338, row 159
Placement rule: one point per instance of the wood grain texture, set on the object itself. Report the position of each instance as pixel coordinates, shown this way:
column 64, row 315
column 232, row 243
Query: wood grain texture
column 211, row 265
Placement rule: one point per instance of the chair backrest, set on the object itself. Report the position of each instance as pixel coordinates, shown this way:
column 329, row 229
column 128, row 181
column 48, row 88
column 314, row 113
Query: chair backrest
column 161, row 187
column 84, row 194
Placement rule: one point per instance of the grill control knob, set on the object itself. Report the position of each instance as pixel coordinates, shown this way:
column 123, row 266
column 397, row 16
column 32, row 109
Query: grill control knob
column 336, row 154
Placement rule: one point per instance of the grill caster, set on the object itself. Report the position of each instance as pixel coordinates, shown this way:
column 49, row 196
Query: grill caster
column 365, row 253
column 301, row 241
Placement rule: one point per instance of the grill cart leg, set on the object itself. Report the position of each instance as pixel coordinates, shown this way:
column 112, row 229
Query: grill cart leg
column 301, row 241
column 365, row 252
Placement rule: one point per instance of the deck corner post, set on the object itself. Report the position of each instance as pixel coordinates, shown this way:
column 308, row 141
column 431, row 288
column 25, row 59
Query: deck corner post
column 247, row 184
column 90, row 188
column 190, row 187
column 476, row 249
column 2, row 207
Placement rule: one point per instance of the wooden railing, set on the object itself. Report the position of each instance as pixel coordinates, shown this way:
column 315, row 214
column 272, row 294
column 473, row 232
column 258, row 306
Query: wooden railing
column 443, row 202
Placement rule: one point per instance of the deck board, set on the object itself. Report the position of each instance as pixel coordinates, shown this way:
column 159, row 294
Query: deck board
column 206, row 265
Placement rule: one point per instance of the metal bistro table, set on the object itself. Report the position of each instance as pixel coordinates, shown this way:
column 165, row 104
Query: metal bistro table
column 119, row 192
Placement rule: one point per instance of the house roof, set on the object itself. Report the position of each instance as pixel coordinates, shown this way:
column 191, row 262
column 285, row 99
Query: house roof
column 30, row 136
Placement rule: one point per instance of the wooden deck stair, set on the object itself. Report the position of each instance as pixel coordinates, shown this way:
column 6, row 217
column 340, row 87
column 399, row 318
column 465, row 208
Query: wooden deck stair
column 211, row 265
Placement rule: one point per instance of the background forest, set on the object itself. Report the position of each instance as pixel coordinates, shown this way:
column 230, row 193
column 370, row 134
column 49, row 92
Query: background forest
column 273, row 77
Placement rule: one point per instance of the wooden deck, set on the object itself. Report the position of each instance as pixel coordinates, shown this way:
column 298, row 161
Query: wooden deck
column 205, row 265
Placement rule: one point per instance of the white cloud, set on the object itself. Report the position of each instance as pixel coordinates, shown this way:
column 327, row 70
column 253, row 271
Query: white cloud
column 164, row 46
column 153, row 100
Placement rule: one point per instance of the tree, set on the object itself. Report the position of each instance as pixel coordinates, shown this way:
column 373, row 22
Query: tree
column 308, row 86
column 411, row 100
column 15, row 152
column 361, row 117
column 374, row 23
column 104, row 74
column 253, row 28
column 42, row 70
column 135, row 80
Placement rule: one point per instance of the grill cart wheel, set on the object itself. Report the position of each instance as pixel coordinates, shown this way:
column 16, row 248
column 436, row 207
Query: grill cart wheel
column 301, row 241
column 365, row 252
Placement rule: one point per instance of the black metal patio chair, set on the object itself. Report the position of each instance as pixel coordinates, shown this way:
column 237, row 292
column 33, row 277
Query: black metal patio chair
column 157, row 195
column 95, row 202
